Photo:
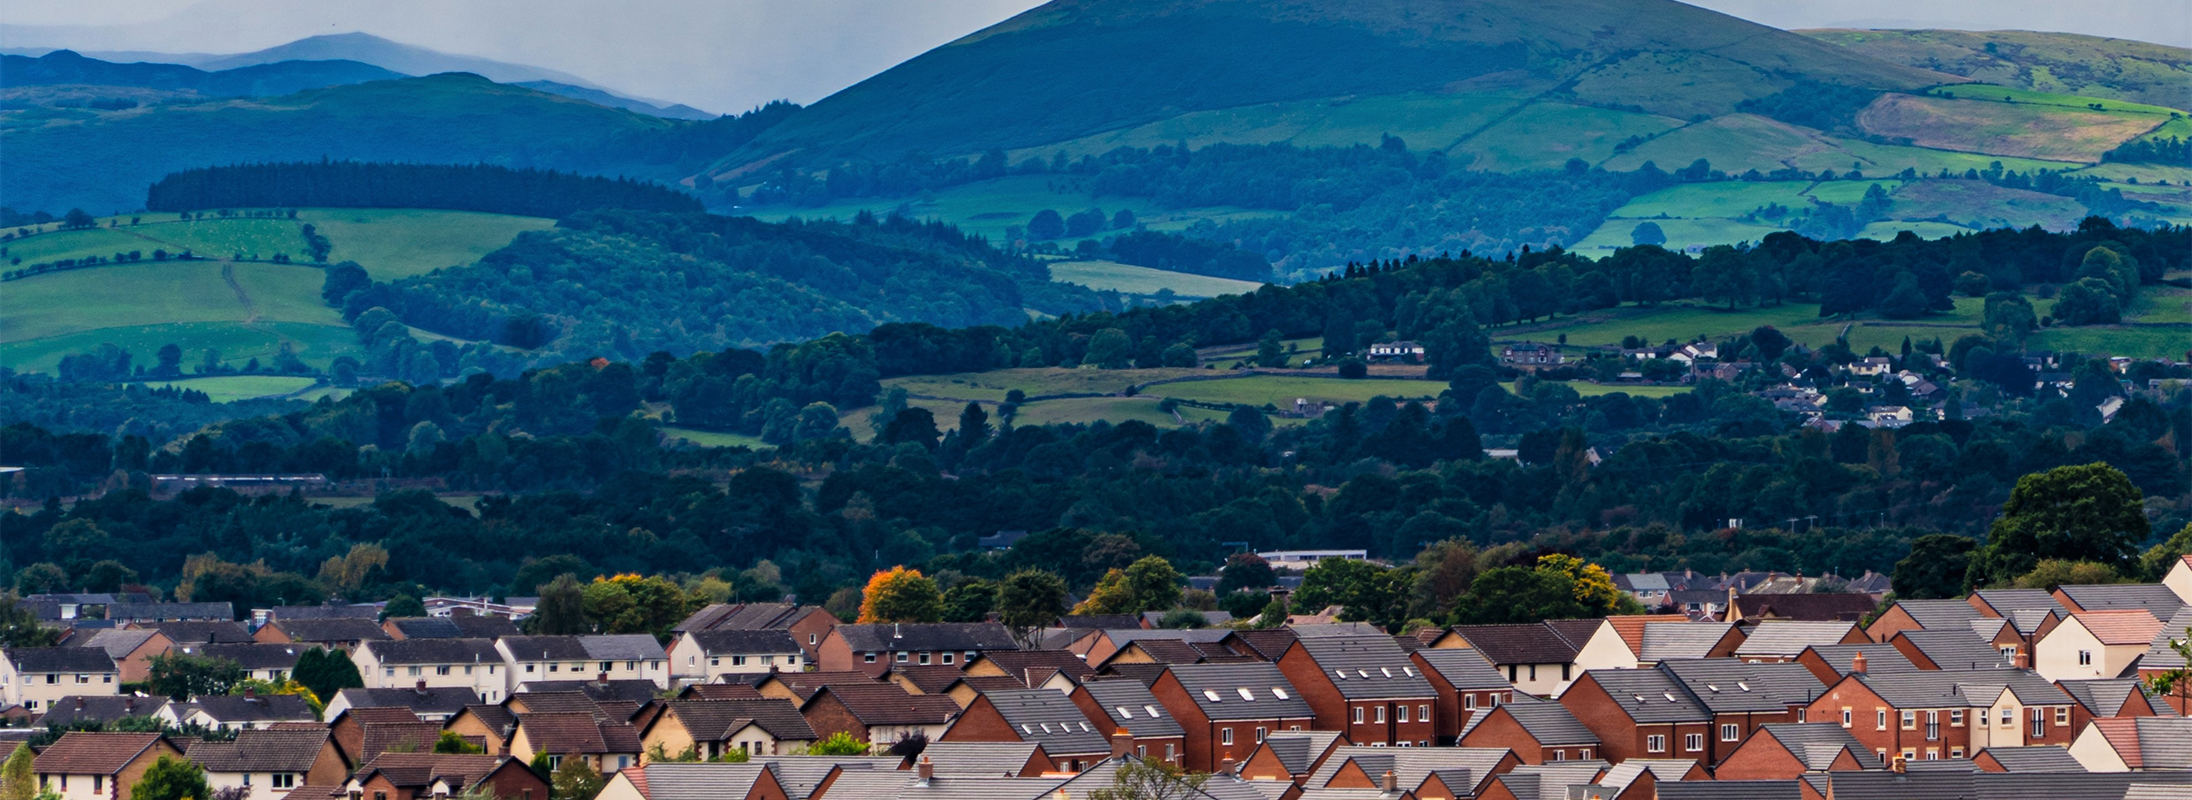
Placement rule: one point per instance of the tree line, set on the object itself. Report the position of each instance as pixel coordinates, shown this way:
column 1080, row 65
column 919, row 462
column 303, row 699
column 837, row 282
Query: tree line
column 359, row 184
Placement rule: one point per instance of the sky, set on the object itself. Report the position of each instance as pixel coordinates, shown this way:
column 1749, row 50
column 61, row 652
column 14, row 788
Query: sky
column 731, row 55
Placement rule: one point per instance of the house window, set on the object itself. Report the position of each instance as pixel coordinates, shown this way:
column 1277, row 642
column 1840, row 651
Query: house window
column 1910, row 755
column 1882, row 722
column 1402, row 714
column 2039, row 724
column 467, row 669
column 1469, row 702
column 713, row 661
column 740, row 661
column 1564, row 671
column 2009, row 717
column 1910, row 720
column 285, row 780
column 442, row 670
column 53, row 678
column 1933, row 725
column 948, row 657
column 99, row 783
column 870, row 658
column 1358, row 715
column 1655, row 743
column 810, row 638
column 1423, row 712
column 1141, row 751
column 1168, row 752
column 2085, row 658
column 2062, row 716
column 1729, row 733
column 1260, row 731
column 1693, row 742
column 83, row 679
column 390, row 672
column 1380, row 715
column 924, row 659
column 901, row 658
column 970, row 655
column 1510, row 673
column 1956, row 752
column 1560, row 755
column 1533, row 672
column 1225, row 736
column 413, row 671
column 1956, row 718
column 630, row 665
column 555, row 763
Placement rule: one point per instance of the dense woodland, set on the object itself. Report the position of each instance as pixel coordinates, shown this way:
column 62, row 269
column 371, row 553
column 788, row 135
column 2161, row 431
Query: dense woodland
column 354, row 184
column 578, row 479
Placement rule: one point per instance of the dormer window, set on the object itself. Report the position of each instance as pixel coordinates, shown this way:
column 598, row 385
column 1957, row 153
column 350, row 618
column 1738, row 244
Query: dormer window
column 1211, row 695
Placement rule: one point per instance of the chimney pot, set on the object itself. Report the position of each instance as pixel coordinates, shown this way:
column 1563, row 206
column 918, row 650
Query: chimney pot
column 2024, row 660
column 927, row 769
column 1391, row 783
column 1226, row 766
column 1857, row 663
column 1898, row 766
column 420, row 687
column 251, row 693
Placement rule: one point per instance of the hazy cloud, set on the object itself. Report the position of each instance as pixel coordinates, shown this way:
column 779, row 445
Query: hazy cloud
column 729, row 55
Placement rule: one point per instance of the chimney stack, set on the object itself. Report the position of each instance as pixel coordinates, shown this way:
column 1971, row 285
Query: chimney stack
column 2024, row 660
column 1898, row 766
column 1391, row 783
column 1122, row 743
column 604, row 677
column 927, row 771
column 1857, row 663
column 251, row 693
column 1226, row 767
column 420, row 687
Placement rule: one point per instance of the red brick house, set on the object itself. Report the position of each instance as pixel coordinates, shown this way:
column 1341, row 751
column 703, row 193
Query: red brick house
column 1783, row 751
column 2108, row 698
column 1465, row 683
column 1365, row 686
column 411, row 776
column 1922, row 615
column 1830, row 662
column 875, row 648
column 1937, row 714
column 1538, row 731
column 1125, row 704
column 1037, row 716
column 1700, row 710
column 1291, row 756
column 1426, row 772
column 1225, row 710
column 878, row 714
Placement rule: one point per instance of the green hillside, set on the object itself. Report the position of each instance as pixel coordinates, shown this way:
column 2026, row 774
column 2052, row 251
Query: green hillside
column 2115, row 69
column 103, row 160
column 247, row 309
column 1076, row 68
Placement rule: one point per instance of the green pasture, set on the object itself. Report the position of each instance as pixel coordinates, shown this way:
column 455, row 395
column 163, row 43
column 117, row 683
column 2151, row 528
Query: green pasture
column 230, row 388
column 1681, row 322
column 1734, row 143
column 1427, row 121
column 1717, row 199
column 1983, row 205
column 1992, row 93
column 1926, row 230
column 216, row 237
column 1546, row 135
column 1282, row 390
column 713, row 438
column 316, row 344
column 1970, row 122
column 2134, row 341
column 1588, row 389
column 394, row 243
column 56, row 245
column 2162, row 304
column 1889, row 159
column 991, row 386
column 1113, row 276
column 2144, row 173
column 1617, row 233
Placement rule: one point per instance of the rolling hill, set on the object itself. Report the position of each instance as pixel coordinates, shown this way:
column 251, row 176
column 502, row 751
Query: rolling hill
column 1077, row 68
column 64, row 67
column 2066, row 63
column 102, row 160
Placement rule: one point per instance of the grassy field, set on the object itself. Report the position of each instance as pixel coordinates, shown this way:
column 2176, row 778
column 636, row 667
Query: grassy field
column 991, row 386
column 1546, row 135
column 1113, row 276
column 713, row 438
column 1618, row 232
column 1979, row 204
column 1976, row 119
column 230, row 388
column 1425, row 121
column 428, row 240
column 2117, row 340
column 246, row 309
column 1597, row 390
column 1282, row 390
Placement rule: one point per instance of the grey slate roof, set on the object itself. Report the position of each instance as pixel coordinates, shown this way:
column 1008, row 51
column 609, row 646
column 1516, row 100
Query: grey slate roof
column 1818, row 745
column 331, row 629
column 1671, row 642
column 100, row 708
column 1550, row 781
column 2034, row 758
column 1787, row 638
column 2165, row 742
column 2001, row 786
column 1519, row 644
column 743, row 616
column 161, row 611
column 1217, row 688
column 871, row 784
column 2153, row 598
column 1879, row 658
column 2104, row 696
column 544, row 648
column 1367, row 667
column 993, row 759
column 1727, row 686
column 1132, row 707
column 1942, row 614
column 1550, row 723
column 1955, row 649
column 2159, row 654
column 116, row 642
column 622, row 647
column 2004, row 601
column 1465, row 669
column 1731, row 790
column 434, row 700
column 638, row 691
column 1650, row 695
column 1950, row 688
column 1620, row 776
column 1410, row 765
column 801, row 774
column 713, row 720
column 202, row 632
column 1050, row 718
column 325, row 611
column 238, row 708
column 1297, row 751
column 435, row 651
column 935, row 636
column 59, row 659
column 252, row 656
column 465, row 627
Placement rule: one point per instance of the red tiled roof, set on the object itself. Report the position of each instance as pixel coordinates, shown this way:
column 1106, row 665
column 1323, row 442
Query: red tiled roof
column 84, row 753
column 2127, row 626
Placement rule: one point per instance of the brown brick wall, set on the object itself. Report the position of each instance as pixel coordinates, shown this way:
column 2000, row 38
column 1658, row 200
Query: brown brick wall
column 1501, row 730
column 1761, row 759
column 827, row 715
column 981, row 723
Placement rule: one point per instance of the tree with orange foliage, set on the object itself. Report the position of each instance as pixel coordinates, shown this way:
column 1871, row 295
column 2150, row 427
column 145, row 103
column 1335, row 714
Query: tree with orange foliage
column 901, row 595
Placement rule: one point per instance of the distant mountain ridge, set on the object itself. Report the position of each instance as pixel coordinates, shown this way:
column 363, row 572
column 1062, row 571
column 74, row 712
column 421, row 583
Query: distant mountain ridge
column 2094, row 66
column 63, row 67
column 1073, row 68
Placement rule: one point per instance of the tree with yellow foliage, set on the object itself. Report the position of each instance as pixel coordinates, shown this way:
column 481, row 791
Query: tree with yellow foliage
column 901, row 595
